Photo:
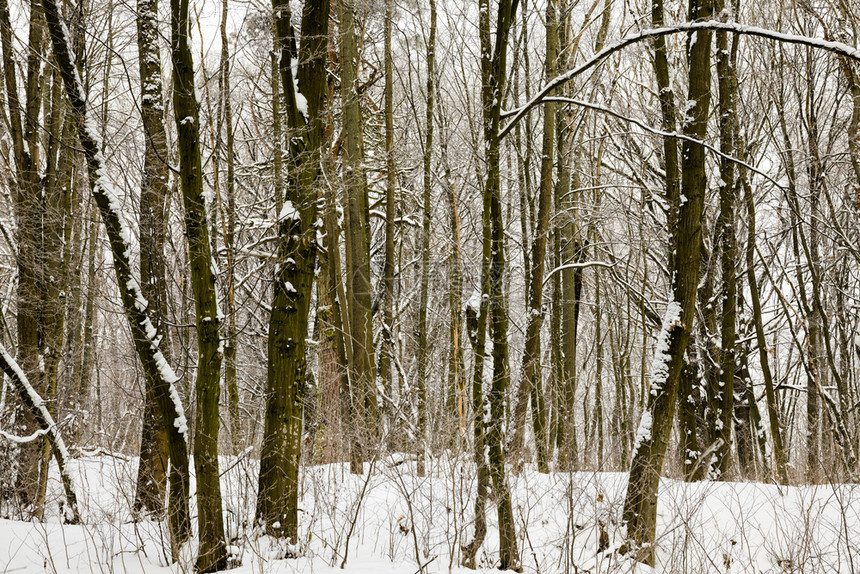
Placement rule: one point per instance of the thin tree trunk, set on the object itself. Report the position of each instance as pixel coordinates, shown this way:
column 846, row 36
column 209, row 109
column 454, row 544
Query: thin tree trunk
column 530, row 379
column 424, row 289
column 228, row 224
column 47, row 426
column 386, row 357
column 779, row 456
column 726, row 233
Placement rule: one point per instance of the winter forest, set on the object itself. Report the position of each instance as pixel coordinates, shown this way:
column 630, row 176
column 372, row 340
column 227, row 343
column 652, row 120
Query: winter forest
column 420, row 287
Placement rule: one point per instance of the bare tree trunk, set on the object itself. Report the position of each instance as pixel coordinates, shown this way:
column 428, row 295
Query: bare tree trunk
column 726, row 233
column 24, row 133
column 386, row 357
column 359, row 289
column 277, row 501
column 640, row 506
column 154, row 196
column 424, row 289
column 493, row 70
column 228, row 225
column 530, row 379
column 779, row 455
column 212, row 554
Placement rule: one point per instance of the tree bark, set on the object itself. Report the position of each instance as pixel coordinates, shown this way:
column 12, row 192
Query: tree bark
column 640, row 505
column 212, row 553
column 136, row 307
column 304, row 98
column 530, row 378
column 359, row 289
column 726, row 223
column 424, row 288
column 154, row 195
column 493, row 70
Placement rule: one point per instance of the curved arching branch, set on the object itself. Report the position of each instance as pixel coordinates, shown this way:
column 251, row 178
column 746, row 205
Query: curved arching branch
column 835, row 47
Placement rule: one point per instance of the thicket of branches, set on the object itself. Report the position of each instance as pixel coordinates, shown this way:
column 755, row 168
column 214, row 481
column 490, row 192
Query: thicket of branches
column 509, row 232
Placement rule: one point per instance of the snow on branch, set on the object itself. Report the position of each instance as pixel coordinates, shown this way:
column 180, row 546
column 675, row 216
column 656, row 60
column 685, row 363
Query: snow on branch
column 581, row 265
column 836, row 47
column 40, row 411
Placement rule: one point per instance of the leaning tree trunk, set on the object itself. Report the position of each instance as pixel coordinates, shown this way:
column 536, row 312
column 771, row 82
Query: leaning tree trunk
column 47, row 426
column 277, row 501
column 779, row 456
column 640, row 505
column 136, row 307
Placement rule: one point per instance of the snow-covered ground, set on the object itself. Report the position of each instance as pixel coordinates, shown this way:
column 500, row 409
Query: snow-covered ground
column 390, row 519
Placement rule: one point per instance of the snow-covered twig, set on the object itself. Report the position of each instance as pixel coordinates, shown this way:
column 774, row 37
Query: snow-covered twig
column 655, row 131
column 581, row 265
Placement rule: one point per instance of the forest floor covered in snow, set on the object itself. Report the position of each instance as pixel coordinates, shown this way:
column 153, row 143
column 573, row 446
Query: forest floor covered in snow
column 391, row 520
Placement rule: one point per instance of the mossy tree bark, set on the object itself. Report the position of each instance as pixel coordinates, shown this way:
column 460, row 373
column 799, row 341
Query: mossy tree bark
column 212, row 553
column 304, row 100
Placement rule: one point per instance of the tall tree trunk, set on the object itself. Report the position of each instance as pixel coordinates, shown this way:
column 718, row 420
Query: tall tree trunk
column 304, row 98
column 228, row 225
column 212, row 554
column 386, row 357
column 640, row 505
column 493, row 70
column 154, row 194
column 24, row 134
column 726, row 233
column 359, row 289
column 424, row 289
column 530, row 379
column 456, row 367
